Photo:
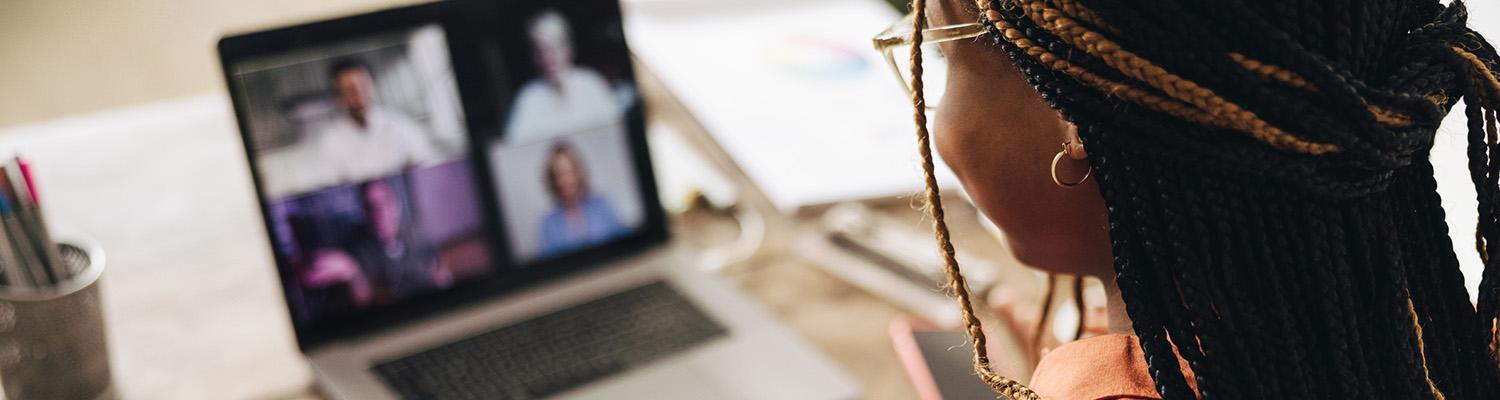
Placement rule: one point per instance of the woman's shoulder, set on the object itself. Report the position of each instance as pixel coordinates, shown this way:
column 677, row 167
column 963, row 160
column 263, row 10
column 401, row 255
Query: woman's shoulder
column 1100, row 367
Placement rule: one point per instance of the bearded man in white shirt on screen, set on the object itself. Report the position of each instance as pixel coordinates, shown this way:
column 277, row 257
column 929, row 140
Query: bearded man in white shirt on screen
column 366, row 140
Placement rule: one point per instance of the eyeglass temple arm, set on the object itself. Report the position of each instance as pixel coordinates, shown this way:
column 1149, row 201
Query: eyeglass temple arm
column 933, row 35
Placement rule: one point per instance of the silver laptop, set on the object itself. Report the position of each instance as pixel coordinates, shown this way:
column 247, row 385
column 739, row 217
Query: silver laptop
column 462, row 206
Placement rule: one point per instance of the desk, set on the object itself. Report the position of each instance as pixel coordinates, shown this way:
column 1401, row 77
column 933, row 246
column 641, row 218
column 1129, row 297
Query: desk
column 192, row 303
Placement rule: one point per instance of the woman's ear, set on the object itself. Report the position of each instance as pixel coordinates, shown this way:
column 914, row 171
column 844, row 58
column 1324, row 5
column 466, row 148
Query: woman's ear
column 1074, row 144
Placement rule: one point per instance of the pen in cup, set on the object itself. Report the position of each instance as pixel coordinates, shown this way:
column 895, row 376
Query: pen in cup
column 28, row 256
column 15, row 270
column 30, row 214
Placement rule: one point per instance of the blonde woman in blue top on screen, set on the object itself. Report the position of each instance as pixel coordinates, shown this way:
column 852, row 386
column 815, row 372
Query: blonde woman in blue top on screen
column 580, row 217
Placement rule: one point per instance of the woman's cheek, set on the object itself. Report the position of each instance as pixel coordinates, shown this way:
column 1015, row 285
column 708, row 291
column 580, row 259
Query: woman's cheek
column 975, row 159
column 950, row 141
column 951, row 130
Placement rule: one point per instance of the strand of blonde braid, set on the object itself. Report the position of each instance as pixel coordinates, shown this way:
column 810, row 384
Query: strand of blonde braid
column 1001, row 385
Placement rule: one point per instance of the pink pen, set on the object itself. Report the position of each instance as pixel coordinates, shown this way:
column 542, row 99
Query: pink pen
column 26, row 174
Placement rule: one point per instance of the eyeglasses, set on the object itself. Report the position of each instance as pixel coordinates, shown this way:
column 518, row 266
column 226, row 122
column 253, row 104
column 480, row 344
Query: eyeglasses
column 895, row 44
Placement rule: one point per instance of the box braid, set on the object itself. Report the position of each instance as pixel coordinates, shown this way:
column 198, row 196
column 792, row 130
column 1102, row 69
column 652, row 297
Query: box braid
column 1273, row 215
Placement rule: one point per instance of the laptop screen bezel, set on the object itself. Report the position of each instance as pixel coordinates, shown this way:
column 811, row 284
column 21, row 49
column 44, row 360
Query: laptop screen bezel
column 467, row 26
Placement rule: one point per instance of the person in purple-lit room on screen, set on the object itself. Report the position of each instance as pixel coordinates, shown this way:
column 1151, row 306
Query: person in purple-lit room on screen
column 385, row 259
column 390, row 249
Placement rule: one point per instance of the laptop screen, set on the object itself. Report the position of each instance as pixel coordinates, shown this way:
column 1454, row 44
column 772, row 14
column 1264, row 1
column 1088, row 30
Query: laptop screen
column 390, row 182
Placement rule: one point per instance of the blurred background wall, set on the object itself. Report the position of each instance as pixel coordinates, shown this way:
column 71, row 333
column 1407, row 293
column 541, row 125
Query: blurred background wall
column 60, row 57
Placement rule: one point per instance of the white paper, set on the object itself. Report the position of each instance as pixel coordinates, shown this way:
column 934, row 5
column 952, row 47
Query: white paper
column 794, row 92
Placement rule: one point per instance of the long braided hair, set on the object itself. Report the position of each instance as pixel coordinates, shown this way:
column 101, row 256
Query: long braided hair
column 1274, row 219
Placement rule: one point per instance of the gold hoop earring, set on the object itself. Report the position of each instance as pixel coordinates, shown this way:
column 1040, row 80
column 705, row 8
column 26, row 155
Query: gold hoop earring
column 1059, row 181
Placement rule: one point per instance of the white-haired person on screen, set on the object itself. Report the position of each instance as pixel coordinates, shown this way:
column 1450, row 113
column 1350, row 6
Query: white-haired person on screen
column 565, row 97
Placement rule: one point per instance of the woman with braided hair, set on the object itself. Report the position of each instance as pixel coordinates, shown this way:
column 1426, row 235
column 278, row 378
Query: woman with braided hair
column 1250, row 179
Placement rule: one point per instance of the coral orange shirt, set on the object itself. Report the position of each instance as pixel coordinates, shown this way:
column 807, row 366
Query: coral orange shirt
column 1108, row 367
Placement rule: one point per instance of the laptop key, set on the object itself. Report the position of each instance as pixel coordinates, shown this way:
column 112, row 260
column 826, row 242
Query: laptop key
column 556, row 352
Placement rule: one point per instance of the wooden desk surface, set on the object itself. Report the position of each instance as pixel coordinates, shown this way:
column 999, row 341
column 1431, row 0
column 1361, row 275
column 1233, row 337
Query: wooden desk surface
column 193, row 307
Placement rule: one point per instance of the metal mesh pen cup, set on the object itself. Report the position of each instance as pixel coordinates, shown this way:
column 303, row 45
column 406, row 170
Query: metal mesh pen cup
column 52, row 343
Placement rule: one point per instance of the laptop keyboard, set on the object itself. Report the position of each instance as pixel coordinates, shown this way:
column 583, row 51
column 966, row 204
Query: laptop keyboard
column 558, row 351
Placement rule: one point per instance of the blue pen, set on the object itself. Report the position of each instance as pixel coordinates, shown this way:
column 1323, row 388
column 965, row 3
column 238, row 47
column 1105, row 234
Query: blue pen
column 20, row 244
column 4, row 203
column 11, row 266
